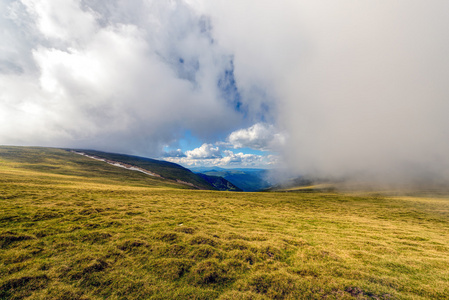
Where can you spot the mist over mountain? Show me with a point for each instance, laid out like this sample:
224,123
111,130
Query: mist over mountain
367,99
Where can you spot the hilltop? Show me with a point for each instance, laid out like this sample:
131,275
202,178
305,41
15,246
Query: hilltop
162,169
68,162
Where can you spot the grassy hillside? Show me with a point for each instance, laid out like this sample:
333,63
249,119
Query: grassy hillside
81,230
45,162
165,169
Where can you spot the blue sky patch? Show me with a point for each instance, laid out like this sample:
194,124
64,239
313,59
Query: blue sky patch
229,90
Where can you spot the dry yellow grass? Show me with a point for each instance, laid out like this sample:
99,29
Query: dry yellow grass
112,235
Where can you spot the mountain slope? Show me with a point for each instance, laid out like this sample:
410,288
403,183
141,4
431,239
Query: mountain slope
42,162
164,169
220,183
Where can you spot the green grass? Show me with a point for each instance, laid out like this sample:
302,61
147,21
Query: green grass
49,162
73,228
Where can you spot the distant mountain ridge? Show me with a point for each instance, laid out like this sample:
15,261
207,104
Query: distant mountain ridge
247,179
220,183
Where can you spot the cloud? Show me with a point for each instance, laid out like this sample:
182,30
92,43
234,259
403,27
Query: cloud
372,93
357,87
208,155
206,151
248,160
230,161
260,136
361,86
112,75
174,153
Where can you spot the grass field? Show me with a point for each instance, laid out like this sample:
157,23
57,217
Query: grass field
73,228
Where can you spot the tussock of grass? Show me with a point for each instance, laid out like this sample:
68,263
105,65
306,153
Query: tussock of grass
70,236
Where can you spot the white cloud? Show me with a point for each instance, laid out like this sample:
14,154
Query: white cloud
62,20
260,136
108,75
210,155
248,160
229,159
206,151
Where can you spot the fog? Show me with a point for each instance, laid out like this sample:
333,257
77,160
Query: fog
362,86
372,100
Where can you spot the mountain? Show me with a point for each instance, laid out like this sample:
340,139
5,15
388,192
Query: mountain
101,166
220,183
249,180
162,169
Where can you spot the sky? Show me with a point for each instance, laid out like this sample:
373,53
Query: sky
327,88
